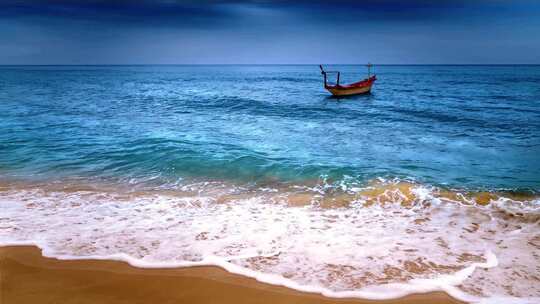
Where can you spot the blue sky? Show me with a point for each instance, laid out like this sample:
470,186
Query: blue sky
195,32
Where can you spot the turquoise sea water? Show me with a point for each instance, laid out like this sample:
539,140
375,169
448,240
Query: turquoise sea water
463,126
430,183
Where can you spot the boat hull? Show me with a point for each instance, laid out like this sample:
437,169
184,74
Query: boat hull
351,91
361,87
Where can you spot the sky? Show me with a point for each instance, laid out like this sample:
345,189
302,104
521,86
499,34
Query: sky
269,32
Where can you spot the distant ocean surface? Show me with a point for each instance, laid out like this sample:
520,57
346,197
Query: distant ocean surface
431,182
465,126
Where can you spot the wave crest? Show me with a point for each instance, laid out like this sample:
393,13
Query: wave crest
380,240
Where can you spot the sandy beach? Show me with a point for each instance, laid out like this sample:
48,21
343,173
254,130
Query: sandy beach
242,151
28,277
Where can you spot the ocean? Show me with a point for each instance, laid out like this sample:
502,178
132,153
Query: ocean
431,182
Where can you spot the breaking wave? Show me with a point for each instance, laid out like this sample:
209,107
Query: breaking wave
379,240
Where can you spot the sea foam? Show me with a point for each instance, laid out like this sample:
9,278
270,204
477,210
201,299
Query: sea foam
412,240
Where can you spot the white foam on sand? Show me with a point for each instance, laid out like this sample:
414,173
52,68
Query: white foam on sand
381,251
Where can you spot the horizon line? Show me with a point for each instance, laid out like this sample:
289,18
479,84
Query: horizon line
270,64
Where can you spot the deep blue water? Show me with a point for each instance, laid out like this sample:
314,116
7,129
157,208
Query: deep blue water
463,126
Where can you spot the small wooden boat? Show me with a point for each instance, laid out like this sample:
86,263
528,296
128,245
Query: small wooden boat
360,87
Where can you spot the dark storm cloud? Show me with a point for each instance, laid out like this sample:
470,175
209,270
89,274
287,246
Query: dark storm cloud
266,31
128,12
212,10
209,13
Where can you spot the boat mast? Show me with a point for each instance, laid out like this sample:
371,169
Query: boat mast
324,74
369,65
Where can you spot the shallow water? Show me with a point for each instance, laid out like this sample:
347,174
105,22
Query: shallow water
430,183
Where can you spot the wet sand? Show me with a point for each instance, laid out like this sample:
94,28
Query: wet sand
28,277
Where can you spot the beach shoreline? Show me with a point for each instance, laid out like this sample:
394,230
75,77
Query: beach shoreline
29,277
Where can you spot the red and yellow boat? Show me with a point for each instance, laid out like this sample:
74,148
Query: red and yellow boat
360,87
